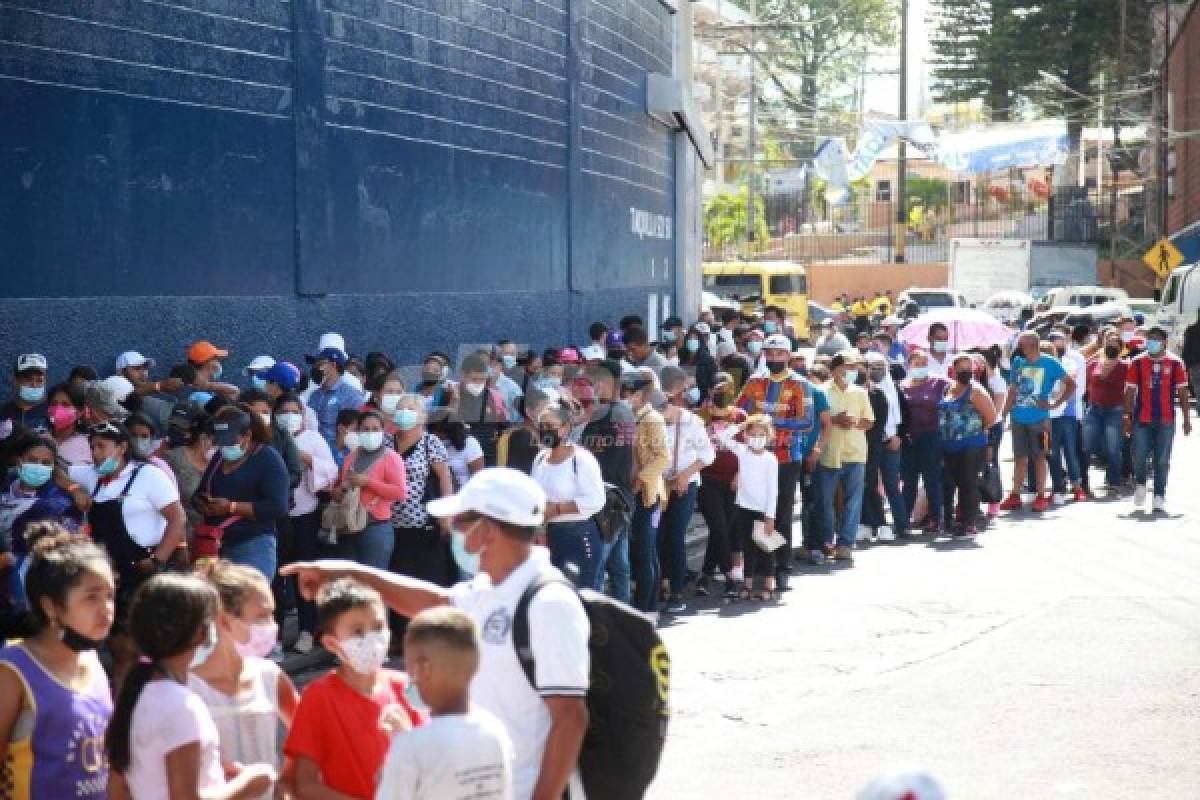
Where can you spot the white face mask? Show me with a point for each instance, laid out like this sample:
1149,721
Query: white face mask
205,649
262,640
367,653
351,440
757,442
388,403
370,440
290,422
266,418
474,389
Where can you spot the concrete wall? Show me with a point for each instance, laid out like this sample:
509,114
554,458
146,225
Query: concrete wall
1184,201
826,281
1131,275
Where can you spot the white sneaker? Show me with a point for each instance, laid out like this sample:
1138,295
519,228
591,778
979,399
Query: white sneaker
1160,503
886,534
1139,495
866,534
1058,499
304,643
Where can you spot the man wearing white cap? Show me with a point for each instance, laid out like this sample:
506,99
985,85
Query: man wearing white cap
493,519
135,368
255,369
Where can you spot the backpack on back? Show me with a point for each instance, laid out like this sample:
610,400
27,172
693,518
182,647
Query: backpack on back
627,693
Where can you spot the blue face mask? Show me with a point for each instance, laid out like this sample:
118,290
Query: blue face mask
218,372
35,475
467,562
1154,347
201,398
232,452
32,394
405,419
770,327
668,336
692,395
108,466
693,345
919,373
415,701
257,382
508,362
754,346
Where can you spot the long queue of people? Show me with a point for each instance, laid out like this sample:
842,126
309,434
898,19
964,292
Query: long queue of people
436,490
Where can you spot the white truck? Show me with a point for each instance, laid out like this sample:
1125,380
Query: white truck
1179,303
981,268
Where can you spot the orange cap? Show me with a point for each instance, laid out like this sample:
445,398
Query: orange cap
202,352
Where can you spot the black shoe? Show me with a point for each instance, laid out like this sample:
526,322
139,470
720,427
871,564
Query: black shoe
781,580
702,583
733,590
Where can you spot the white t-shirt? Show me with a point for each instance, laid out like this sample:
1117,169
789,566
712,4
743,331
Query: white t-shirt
1076,366
458,460
694,445
758,475
577,479
558,636
150,492
168,716
456,757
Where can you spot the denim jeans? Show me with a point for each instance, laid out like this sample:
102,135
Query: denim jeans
715,499
883,464
257,551
850,476
305,547
1064,445
372,546
1102,437
643,556
615,564
923,457
672,533
577,544
1153,439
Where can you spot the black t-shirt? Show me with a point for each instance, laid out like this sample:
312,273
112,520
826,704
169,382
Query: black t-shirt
36,419
609,437
523,447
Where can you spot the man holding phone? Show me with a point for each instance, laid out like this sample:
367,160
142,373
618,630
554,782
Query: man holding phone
844,459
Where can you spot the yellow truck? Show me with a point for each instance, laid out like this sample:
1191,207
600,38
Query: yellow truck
753,285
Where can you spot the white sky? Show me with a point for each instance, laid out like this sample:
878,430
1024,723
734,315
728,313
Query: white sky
883,90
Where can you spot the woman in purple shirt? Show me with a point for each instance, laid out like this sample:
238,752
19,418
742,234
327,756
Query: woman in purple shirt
923,449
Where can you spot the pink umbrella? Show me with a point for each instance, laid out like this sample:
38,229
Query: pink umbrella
968,328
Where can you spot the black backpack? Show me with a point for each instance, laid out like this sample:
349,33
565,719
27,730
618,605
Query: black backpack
618,504
627,693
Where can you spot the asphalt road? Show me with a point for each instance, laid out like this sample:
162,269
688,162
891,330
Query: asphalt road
1053,657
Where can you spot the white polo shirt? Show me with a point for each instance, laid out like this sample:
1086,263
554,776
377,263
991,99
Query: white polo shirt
149,494
558,635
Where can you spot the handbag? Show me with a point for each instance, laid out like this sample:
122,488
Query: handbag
767,543
206,538
991,490
347,515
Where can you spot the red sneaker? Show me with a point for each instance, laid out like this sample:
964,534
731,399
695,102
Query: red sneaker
1011,503
1081,495
1041,503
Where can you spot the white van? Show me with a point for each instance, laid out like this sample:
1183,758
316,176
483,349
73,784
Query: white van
1179,301
1083,296
913,302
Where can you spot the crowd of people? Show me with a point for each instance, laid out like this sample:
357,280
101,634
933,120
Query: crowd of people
172,521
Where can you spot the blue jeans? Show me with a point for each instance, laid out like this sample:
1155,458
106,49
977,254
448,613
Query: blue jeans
257,551
1153,439
615,563
923,457
672,531
850,476
372,546
889,471
1102,437
643,556
1064,444
576,543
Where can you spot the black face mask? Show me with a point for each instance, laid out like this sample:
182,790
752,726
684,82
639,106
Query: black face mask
721,400
858,378
76,641
877,375
963,376
550,437
777,367
1112,350
1062,351
318,375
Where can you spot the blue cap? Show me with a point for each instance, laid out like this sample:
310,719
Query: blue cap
328,354
283,374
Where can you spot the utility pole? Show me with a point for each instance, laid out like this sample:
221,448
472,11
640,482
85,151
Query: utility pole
751,141
901,148
1164,196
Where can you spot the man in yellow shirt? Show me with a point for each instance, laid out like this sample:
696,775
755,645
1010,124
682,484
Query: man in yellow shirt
844,459
881,305
861,310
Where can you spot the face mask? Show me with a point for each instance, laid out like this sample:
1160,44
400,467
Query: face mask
668,336
108,466
754,346
1112,351
721,400
467,562
919,373
963,376
290,422
365,654
877,375
801,371
757,442
672,361
1154,347
257,382
550,437
474,389
205,650
776,367
351,440
430,378
200,398
693,345
62,416
692,396
144,446
508,362
1126,336
75,641
370,440
1062,351
405,419
218,371
858,377
232,452
414,699
32,394
35,475
318,375
266,418
769,327
387,403
261,642
941,347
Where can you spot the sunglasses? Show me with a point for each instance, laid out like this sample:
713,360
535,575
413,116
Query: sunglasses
103,428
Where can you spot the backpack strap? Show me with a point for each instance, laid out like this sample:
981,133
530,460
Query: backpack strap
132,478
521,641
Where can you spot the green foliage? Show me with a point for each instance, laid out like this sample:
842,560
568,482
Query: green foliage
929,193
725,218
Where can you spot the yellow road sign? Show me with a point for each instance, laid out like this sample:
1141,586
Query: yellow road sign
1163,257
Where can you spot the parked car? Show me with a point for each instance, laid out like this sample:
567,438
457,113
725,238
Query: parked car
1083,296
1007,306
1146,306
915,302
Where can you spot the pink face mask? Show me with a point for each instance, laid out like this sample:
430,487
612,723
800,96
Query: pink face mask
62,416
262,640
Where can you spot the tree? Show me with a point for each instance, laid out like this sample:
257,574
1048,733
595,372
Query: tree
725,219
929,193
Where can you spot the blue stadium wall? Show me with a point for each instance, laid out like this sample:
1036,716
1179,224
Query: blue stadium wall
414,174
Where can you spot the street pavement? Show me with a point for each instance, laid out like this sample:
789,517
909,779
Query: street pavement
1055,656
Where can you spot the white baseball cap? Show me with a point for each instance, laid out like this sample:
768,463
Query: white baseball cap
132,358
892,320
504,494
592,353
259,364
119,386
30,361
777,341
333,340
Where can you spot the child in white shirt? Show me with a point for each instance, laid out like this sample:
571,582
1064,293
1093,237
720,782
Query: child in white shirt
757,494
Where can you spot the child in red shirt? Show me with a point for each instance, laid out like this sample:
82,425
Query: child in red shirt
346,719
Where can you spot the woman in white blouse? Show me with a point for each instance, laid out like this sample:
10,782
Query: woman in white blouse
570,476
